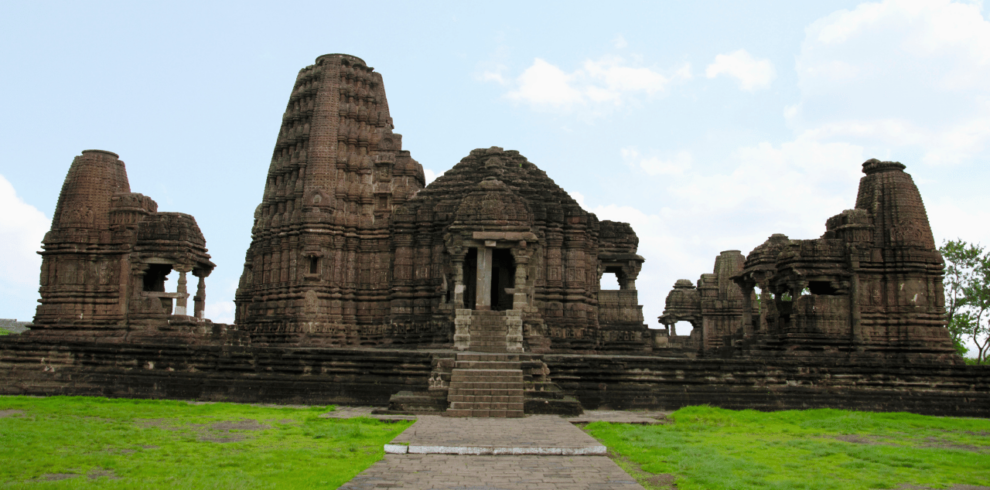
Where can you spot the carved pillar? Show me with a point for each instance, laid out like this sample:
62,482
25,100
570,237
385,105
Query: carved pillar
199,301
182,293
521,254
458,260
630,273
483,297
766,302
747,317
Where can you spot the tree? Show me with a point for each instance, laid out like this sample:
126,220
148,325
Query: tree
967,294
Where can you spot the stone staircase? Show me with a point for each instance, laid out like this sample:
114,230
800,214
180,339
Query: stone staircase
486,385
488,331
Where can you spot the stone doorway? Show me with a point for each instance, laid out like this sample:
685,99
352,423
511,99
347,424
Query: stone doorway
503,279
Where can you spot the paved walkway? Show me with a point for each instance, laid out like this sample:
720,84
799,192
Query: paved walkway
494,454
442,471
536,434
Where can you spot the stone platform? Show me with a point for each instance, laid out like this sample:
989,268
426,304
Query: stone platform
32,364
532,435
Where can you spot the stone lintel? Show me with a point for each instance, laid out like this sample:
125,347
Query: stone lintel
509,236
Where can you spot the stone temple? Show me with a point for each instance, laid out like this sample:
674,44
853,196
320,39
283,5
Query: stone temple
477,295
349,249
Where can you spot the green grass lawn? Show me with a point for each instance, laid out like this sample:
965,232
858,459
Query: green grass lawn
712,448
84,442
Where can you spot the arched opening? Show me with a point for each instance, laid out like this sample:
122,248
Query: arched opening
682,328
155,277
609,281
821,288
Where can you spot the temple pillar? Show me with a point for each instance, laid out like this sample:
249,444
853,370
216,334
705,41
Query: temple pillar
747,316
521,255
483,296
182,293
519,296
458,281
199,301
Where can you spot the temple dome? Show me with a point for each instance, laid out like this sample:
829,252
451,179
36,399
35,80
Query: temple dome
493,204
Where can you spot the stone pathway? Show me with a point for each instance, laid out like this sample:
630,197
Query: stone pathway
494,454
442,471
536,434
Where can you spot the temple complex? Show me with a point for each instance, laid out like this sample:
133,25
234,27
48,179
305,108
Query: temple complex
476,295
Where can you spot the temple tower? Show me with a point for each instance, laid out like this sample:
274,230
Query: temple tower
317,270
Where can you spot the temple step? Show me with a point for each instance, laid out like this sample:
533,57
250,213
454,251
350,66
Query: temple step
486,385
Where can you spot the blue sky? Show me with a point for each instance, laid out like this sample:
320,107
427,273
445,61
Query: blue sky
707,125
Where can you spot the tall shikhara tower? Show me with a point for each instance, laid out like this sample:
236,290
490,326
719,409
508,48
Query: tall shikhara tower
317,270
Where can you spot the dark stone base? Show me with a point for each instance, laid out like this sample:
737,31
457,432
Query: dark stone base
32,365
640,382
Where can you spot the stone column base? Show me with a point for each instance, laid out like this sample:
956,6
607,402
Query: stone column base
462,329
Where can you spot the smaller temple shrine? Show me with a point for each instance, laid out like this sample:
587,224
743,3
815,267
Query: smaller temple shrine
108,256
870,287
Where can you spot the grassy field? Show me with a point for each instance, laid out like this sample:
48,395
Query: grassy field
711,448
82,442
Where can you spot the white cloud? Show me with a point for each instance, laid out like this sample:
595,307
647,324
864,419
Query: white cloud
494,68
494,75
802,181
790,188
653,165
609,81
220,312
545,84
751,73
430,175
22,227
619,42
898,74
577,196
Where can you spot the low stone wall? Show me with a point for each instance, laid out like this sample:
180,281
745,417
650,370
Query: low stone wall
33,366
631,382
210,372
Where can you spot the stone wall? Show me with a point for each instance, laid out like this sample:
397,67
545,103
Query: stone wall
634,382
209,372
31,366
